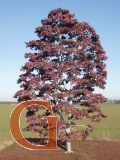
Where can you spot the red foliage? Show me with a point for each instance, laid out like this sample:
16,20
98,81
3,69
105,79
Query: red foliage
82,60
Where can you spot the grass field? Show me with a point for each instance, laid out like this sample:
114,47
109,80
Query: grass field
107,129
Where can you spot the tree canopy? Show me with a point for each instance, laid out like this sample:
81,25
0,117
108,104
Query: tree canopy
67,64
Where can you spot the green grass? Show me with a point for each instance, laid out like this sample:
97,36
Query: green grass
108,128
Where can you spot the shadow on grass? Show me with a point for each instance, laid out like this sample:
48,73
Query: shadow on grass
42,141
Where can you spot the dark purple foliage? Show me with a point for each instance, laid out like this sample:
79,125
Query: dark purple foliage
66,46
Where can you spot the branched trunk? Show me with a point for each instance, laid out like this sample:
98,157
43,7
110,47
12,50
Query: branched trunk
68,143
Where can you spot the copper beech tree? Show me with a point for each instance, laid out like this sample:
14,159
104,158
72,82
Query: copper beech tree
67,64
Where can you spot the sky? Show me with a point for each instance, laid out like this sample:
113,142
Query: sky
18,20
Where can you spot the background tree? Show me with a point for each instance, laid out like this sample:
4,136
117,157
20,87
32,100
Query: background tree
117,101
67,64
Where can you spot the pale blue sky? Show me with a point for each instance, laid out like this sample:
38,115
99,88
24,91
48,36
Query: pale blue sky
18,20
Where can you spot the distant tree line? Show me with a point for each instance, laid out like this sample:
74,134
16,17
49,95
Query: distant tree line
109,101
113,101
7,102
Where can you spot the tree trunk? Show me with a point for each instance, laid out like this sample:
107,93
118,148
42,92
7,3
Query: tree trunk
68,143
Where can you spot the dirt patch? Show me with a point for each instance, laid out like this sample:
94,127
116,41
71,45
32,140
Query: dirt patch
83,150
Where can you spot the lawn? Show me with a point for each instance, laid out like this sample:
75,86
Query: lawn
107,129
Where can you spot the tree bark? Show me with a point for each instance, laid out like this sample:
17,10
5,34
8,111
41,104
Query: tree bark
68,147
68,143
